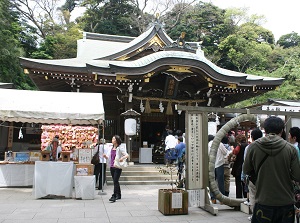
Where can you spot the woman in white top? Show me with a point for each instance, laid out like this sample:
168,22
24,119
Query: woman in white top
119,154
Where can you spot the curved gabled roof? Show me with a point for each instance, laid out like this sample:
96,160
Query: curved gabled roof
148,64
168,58
134,67
155,30
153,62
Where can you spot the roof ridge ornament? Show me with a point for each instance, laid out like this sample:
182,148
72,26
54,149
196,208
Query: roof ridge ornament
180,44
157,23
157,15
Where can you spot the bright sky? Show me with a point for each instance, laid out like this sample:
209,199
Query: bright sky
282,16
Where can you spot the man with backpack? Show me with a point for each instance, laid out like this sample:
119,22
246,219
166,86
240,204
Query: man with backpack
275,163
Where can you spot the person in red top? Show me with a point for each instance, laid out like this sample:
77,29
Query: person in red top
238,158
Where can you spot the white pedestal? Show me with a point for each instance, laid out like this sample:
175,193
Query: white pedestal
145,155
85,187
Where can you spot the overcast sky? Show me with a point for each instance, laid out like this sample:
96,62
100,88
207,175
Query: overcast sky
282,17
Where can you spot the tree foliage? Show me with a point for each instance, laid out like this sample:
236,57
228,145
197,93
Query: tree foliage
110,17
248,48
10,48
62,45
289,40
203,22
41,13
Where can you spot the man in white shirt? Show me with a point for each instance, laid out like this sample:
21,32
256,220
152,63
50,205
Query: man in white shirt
170,142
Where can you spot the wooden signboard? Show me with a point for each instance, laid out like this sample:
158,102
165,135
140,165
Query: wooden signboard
10,136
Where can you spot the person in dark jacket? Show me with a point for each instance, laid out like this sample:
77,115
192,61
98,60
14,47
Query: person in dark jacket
274,187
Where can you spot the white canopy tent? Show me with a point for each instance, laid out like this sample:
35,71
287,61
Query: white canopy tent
49,107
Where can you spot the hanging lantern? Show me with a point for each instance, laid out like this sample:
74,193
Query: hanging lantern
130,126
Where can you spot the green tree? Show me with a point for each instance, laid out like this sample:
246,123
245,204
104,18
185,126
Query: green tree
285,64
203,23
248,48
62,45
10,49
110,17
289,40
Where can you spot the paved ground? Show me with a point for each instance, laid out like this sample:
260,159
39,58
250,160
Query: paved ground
138,204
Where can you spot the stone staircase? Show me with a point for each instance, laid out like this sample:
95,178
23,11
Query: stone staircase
141,174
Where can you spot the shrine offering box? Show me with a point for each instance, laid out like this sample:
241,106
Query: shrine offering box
145,144
35,156
65,156
45,155
85,156
21,156
84,169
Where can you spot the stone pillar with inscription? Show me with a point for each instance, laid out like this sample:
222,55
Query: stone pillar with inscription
197,182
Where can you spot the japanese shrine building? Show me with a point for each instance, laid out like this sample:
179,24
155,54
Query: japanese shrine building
150,74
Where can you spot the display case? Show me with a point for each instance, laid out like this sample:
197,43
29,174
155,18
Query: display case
145,155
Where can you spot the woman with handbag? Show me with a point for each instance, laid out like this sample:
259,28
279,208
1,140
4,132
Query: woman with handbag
116,158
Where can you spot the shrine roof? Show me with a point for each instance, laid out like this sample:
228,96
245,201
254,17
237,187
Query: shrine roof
151,61
147,64
88,49
292,103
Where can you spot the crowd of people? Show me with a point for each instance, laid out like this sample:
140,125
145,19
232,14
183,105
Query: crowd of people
266,170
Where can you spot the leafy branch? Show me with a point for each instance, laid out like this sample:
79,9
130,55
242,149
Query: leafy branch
170,169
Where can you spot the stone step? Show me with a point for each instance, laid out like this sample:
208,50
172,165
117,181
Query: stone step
142,174
159,182
144,178
139,173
